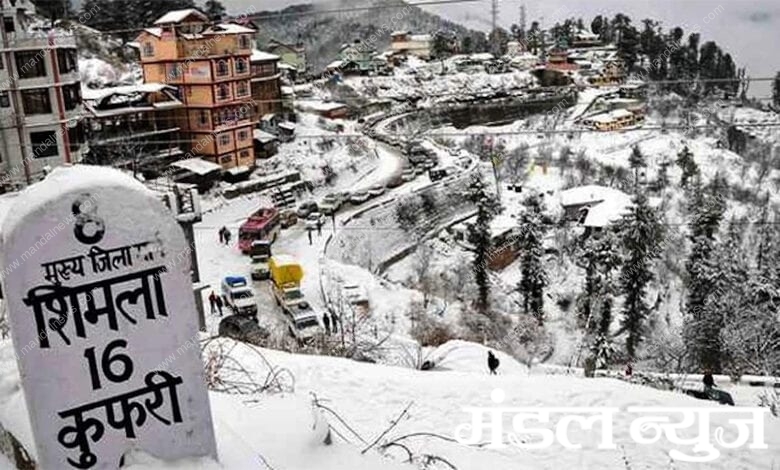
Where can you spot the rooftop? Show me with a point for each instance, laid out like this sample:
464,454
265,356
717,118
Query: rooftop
177,16
197,166
258,56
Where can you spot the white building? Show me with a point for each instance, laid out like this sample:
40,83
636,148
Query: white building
419,45
40,98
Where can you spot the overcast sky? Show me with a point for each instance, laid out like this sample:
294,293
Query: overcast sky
749,29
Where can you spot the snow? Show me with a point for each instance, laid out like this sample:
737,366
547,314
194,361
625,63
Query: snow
589,194
177,16
197,166
259,56
89,94
261,136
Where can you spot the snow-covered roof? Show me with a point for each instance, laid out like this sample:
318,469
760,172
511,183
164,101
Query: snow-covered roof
177,16
589,194
197,166
258,55
287,125
230,28
154,31
482,56
610,116
399,33
263,137
89,94
420,37
335,64
316,105
609,211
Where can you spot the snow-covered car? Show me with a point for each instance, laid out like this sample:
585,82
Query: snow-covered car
376,190
238,296
330,203
306,208
408,174
355,294
359,197
304,324
314,219
242,328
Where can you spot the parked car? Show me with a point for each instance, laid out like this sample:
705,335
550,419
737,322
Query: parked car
408,174
376,190
359,197
355,294
330,203
288,218
306,208
395,182
314,219
242,328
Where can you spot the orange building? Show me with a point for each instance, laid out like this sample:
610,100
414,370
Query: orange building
209,66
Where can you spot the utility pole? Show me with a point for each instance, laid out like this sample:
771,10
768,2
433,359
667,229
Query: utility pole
493,31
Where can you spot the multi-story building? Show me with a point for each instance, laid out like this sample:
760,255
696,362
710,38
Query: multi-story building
292,56
40,98
405,42
208,64
266,86
133,127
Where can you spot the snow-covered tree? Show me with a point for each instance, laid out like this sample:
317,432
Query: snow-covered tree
480,237
688,166
640,232
531,226
703,325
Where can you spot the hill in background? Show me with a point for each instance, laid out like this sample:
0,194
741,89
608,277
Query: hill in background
324,33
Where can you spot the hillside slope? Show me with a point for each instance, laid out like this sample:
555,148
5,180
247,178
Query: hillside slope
323,34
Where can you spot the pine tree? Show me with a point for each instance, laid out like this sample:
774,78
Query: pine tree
706,208
641,233
480,238
534,279
214,10
688,166
53,10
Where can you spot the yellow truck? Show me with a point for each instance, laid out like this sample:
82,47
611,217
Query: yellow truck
286,276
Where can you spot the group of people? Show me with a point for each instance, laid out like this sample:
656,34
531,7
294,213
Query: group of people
215,302
331,323
224,236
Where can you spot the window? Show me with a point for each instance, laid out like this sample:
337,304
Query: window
2,65
8,24
244,154
243,135
36,101
224,139
75,136
72,96
222,68
30,64
242,89
225,159
44,144
67,60
243,42
223,92
203,118
148,49
174,71
241,66
4,101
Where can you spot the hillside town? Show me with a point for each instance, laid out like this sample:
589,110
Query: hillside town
347,244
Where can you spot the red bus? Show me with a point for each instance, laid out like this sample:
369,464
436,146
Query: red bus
262,225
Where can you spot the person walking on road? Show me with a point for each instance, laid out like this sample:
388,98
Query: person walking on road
319,228
213,302
326,321
222,236
218,301
334,321
227,237
308,231
493,363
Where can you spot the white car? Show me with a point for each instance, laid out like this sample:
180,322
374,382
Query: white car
408,175
376,190
314,219
359,197
355,294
